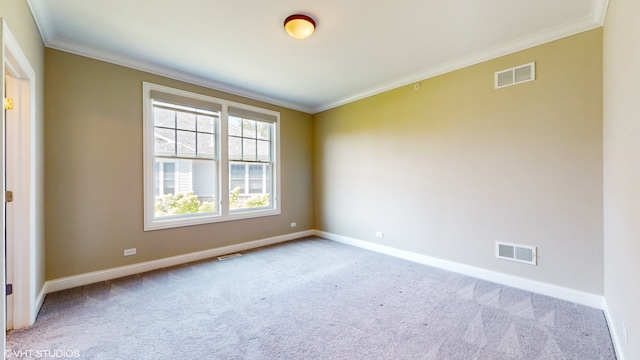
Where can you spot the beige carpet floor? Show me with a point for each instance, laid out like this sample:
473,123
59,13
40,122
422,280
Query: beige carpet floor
311,299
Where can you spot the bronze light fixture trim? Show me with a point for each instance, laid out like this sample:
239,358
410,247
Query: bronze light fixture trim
299,26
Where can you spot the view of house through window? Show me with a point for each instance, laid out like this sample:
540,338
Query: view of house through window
186,159
249,163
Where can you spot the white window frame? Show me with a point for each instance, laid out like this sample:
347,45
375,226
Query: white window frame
151,222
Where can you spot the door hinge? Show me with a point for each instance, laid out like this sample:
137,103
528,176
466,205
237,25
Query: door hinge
9,289
8,103
8,196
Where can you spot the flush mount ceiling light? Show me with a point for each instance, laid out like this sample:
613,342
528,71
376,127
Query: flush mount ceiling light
299,26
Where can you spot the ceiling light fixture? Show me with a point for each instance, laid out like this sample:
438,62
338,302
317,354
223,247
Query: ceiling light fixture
299,26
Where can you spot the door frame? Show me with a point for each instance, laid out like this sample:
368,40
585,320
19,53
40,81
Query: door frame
22,150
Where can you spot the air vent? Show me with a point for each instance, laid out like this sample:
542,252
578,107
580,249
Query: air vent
519,253
229,256
516,75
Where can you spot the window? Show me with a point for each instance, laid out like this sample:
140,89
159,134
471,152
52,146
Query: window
206,159
250,161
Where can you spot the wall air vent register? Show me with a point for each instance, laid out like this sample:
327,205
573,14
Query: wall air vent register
515,75
520,253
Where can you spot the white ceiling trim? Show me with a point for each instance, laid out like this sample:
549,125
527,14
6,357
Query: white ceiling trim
153,68
41,15
599,10
43,22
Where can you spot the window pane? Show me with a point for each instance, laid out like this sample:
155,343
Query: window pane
256,179
156,179
164,117
205,123
255,186
268,176
186,121
237,177
264,150
264,131
248,149
164,142
254,144
255,171
237,170
204,184
235,148
235,126
169,175
249,129
198,188
206,145
186,143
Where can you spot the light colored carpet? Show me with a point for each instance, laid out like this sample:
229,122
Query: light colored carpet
312,299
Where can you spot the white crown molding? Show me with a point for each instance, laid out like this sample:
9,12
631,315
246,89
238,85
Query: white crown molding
594,20
150,67
599,10
40,14
558,292
556,33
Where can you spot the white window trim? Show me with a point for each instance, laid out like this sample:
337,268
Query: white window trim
223,214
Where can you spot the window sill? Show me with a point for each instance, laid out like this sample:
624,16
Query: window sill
159,224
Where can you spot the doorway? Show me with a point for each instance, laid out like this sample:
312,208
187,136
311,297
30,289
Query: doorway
17,164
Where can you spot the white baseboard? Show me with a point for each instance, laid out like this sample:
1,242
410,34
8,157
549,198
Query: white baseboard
559,292
39,301
614,331
563,293
576,296
114,273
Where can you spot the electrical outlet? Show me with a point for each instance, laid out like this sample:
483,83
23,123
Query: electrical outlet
379,234
293,224
625,334
129,252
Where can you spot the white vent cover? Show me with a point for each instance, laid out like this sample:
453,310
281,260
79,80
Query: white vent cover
516,75
519,253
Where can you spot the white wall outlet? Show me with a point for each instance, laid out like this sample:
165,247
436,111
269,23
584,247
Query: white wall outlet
293,224
625,334
379,234
129,252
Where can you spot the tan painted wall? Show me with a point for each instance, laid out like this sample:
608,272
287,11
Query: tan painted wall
450,168
21,24
94,189
622,171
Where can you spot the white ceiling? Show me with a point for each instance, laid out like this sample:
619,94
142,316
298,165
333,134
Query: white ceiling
360,47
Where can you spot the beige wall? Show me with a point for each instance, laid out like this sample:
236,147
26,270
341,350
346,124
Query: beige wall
622,171
94,188
18,17
450,168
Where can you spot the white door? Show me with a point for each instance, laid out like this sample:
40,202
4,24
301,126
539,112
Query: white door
17,160
11,144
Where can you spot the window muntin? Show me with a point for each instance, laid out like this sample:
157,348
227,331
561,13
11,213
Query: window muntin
189,150
250,163
183,136
183,132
